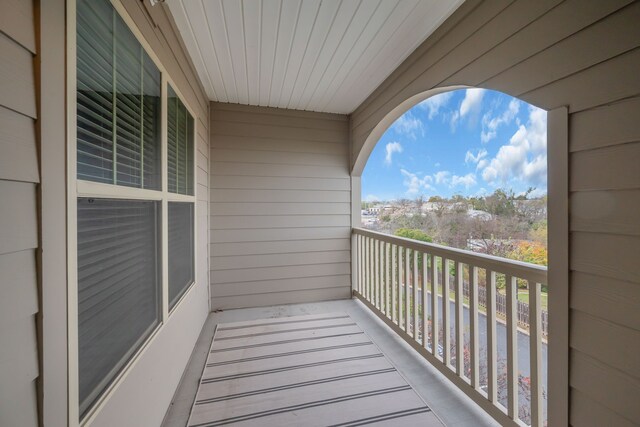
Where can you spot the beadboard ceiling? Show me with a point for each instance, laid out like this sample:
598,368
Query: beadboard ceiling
317,55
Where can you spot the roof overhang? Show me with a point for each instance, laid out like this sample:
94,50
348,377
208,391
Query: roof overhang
317,55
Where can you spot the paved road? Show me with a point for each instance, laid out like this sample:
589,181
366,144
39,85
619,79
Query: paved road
524,366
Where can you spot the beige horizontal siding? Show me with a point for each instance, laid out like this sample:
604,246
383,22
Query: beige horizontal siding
588,412
587,132
322,293
19,161
612,388
258,209
280,247
280,206
19,177
19,344
606,211
584,55
17,21
281,183
607,298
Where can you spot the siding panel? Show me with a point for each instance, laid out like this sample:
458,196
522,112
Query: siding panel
18,216
587,173
607,298
19,161
275,298
606,255
17,21
19,285
596,337
17,77
551,64
280,206
610,387
588,412
280,183
587,132
281,285
279,247
613,212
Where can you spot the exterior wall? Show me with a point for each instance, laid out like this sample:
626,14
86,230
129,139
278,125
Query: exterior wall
144,395
33,288
19,178
280,206
583,55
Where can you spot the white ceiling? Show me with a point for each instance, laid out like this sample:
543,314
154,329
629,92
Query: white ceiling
318,55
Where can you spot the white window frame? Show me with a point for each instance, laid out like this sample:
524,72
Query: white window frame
77,188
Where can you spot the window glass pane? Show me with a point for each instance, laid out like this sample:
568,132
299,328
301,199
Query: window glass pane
172,140
118,287
95,90
118,101
180,146
128,121
151,125
189,155
181,256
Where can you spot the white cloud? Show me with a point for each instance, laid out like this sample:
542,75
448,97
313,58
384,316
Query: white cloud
490,124
415,184
468,180
524,158
372,198
469,107
392,147
471,102
442,177
470,157
435,103
409,125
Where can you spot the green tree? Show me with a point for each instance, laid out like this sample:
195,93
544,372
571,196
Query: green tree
415,234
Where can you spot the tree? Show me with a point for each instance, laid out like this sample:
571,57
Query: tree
415,234
501,203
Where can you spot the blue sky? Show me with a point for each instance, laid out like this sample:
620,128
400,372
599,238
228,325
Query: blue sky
469,142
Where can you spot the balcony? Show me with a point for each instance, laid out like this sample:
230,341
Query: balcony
446,404
367,360
278,106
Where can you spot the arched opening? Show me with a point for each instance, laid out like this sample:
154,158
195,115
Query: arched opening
466,168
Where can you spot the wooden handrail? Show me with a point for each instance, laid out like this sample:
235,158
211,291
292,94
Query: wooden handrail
519,269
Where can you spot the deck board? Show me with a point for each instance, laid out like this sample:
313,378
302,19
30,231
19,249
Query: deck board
303,370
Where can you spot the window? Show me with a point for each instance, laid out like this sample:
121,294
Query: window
128,196
180,181
181,268
180,146
118,286
118,102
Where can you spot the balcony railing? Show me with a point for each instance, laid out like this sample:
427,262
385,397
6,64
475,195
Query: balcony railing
391,274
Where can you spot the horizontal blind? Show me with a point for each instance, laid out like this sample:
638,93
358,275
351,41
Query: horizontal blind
95,48
118,101
172,140
181,249
180,146
118,287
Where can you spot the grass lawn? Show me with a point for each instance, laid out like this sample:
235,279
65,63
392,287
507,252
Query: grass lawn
523,296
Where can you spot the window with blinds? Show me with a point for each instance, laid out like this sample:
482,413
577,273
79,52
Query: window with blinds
181,259
179,146
122,296
118,102
118,287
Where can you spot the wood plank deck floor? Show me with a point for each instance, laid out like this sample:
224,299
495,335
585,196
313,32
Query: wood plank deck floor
312,370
